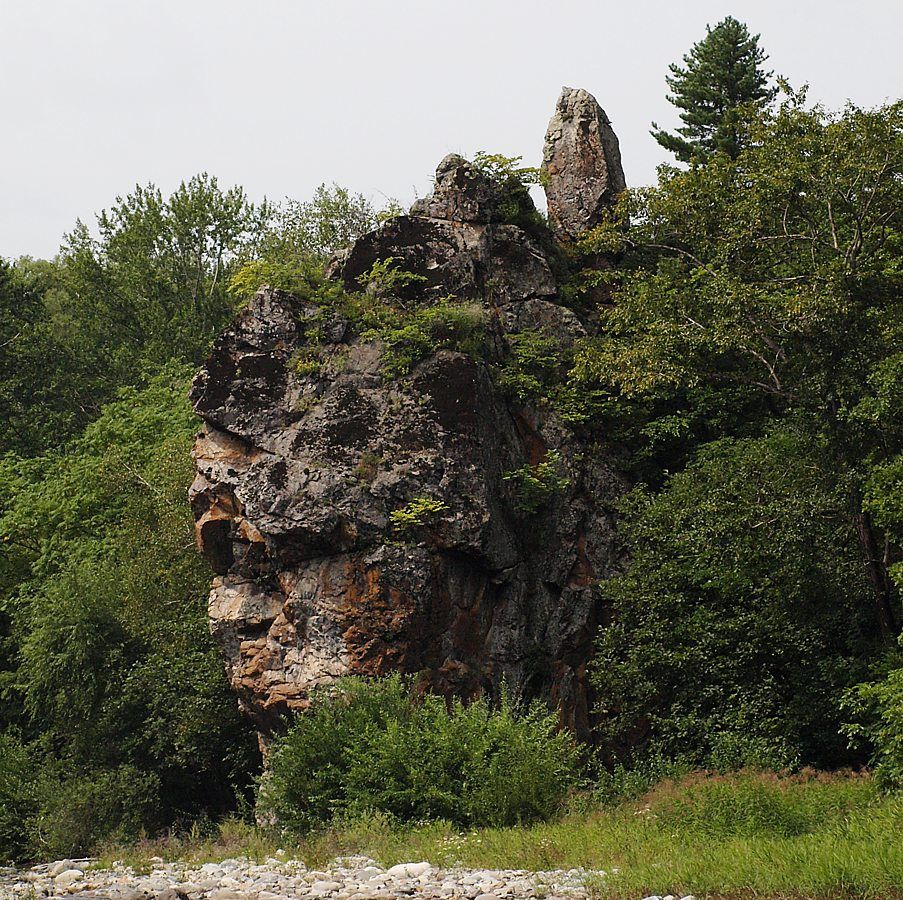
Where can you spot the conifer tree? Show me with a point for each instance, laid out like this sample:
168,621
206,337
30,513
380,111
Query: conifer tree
722,73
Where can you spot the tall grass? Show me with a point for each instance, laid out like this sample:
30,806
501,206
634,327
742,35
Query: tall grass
745,835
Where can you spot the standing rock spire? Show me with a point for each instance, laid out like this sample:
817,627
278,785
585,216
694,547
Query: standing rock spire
318,435
582,164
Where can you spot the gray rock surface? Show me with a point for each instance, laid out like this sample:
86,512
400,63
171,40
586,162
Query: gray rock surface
582,164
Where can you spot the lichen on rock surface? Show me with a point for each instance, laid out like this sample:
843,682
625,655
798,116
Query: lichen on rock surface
307,472
581,162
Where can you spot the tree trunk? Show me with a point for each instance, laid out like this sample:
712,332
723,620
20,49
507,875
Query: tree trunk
876,570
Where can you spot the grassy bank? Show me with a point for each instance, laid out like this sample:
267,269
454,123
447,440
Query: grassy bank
748,835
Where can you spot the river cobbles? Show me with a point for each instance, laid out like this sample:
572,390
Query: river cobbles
349,878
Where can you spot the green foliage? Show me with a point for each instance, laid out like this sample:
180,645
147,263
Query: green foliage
760,295
408,337
18,795
302,277
152,285
306,361
46,810
761,271
372,747
45,385
876,421
744,613
722,75
330,221
386,278
499,168
299,237
366,469
112,665
749,804
876,710
77,813
513,204
114,709
535,485
417,513
533,367
618,783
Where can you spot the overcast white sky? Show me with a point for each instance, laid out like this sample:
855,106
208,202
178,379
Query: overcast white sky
280,95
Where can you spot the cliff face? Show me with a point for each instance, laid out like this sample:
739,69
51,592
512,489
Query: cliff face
474,582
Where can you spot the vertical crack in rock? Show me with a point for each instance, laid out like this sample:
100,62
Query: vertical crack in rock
298,471
582,164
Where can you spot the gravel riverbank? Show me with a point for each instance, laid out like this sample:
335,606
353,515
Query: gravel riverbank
351,878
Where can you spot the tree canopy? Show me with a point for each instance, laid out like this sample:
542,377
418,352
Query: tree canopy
753,346
722,75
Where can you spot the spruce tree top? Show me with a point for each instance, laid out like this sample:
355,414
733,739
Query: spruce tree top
722,73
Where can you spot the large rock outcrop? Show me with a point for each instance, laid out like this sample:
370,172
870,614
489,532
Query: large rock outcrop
301,467
582,164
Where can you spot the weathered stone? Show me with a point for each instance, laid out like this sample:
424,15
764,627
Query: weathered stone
67,878
298,475
582,164
172,893
461,194
61,866
409,870
289,878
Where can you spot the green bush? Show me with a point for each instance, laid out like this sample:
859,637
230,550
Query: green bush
18,798
77,813
877,709
367,747
385,278
743,615
535,485
409,337
46,811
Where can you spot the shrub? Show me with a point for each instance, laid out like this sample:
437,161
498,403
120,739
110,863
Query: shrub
410,337
385,278
17,796
535,485
77,813
416,513
301,276
47,811
306,361
370,747
877,708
